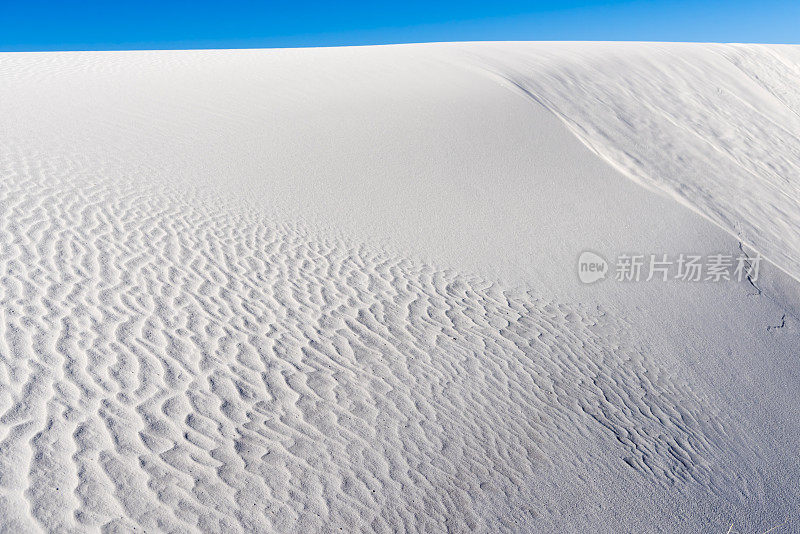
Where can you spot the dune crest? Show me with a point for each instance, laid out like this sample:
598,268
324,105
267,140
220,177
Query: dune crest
311,290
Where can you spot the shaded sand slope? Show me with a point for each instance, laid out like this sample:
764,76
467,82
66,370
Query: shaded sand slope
715,126
322,289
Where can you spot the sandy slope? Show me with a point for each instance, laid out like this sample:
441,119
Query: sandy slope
305,290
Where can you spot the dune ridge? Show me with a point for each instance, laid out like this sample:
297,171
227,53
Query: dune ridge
185,347
717,127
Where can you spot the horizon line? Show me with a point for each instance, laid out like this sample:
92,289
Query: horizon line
23,50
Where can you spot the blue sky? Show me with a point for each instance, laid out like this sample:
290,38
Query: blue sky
113,25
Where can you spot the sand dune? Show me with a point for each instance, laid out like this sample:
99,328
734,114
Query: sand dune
334,289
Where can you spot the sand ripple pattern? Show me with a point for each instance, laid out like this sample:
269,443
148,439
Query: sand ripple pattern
177,367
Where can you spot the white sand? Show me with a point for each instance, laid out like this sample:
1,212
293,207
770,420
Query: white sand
323,289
